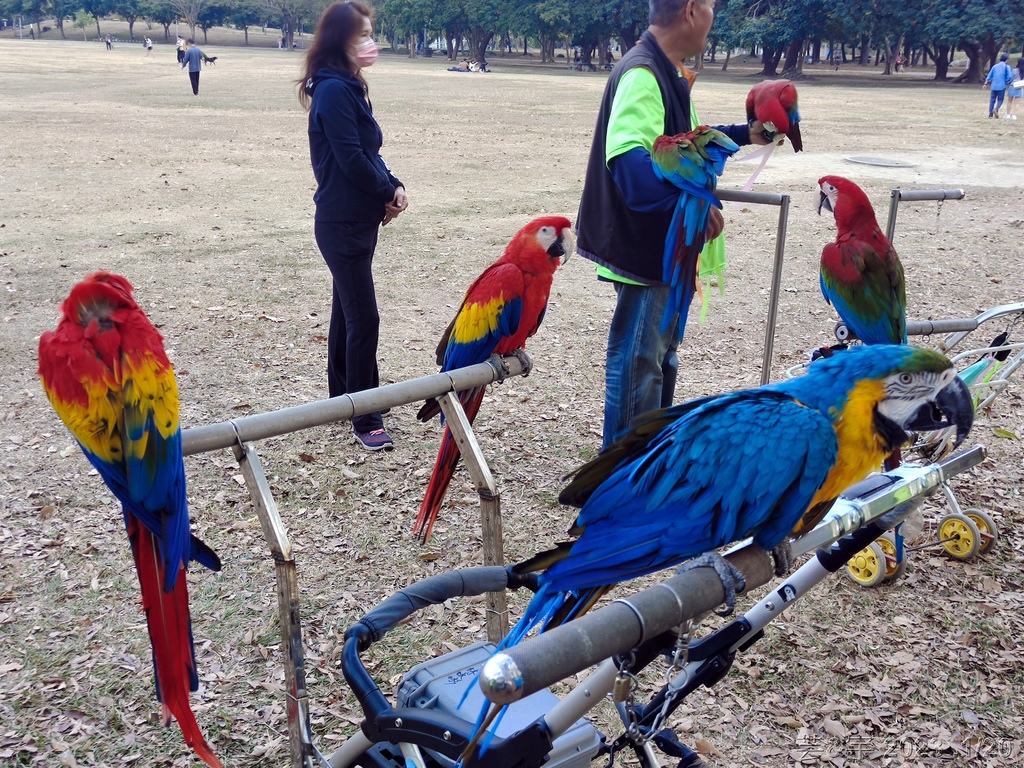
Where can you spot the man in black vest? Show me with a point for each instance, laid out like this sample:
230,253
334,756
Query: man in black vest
625,209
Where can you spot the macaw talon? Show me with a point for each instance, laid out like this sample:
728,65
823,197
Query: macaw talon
497,362
524,359
732,577
783,557
953,407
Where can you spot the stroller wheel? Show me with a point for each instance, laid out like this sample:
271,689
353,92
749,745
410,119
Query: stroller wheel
894,567
960,536
867,567
986,527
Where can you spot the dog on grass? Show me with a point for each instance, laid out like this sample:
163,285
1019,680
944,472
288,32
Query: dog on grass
209,59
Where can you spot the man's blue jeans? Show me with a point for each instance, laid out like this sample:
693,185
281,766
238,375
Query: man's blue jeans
640,373
995,101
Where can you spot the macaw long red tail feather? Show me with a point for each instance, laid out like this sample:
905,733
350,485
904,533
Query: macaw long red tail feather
444,469
170,633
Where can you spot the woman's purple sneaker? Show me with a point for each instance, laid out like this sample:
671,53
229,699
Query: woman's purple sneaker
377,440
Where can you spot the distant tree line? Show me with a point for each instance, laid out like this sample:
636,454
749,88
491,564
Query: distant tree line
784,33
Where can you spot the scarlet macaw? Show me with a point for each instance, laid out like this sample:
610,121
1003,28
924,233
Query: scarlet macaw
774,103
861,274
692,162
106,374
502,309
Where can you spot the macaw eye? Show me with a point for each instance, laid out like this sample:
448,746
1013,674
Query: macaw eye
546,231
905,378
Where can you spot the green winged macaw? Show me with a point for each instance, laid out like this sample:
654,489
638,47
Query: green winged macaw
774,103
106,374
692,162
766,463
861,274
502,309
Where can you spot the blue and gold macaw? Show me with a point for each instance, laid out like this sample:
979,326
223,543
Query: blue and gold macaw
692,162
502,309
766,463
861,273
107,375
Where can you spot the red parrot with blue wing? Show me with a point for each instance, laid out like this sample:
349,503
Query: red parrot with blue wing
107,375
502,309
861,273
774,104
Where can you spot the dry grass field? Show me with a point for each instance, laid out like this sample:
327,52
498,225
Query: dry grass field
204,203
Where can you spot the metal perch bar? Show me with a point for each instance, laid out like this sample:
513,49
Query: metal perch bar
226,434
914,196
239,435
490,509
782,201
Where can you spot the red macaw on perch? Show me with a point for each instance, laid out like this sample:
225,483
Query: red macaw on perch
106,374
501,310
774,104
861,273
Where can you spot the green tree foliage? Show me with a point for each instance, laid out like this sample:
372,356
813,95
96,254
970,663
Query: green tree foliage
244,14
97,9
129,10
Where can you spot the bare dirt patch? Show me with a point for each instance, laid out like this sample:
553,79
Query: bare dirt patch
205,205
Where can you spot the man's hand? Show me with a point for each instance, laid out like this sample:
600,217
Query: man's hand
716,223
757,133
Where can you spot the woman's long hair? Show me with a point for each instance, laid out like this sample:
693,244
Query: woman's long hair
1020,69
329,50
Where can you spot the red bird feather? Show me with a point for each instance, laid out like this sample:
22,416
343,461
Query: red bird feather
502,309
774,104
106,374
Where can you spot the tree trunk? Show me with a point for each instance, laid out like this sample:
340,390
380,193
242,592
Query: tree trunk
941,58
410,41
865,51
728,55
98,33
245,30
973,73
794,58
816,51
60,26
771,61
167,30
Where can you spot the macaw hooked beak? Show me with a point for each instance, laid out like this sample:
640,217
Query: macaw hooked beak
825,203
953,407
563,246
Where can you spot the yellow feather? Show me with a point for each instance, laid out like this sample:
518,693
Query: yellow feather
861,450
478,320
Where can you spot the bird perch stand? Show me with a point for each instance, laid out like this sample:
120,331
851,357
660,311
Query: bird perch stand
240,436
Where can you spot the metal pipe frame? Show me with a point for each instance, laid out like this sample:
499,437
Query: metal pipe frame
227,434
915,196
782,201
490,508
238,435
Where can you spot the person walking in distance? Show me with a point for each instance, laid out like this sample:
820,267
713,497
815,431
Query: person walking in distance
193,59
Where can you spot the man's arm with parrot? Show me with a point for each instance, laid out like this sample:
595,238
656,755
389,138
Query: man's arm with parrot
637,119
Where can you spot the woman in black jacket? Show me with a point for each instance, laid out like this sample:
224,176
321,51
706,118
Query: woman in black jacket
356,194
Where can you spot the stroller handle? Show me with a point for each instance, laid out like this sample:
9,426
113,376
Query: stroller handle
624,624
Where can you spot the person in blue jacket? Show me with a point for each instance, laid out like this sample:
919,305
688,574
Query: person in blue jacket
193,59
356,194
998,80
